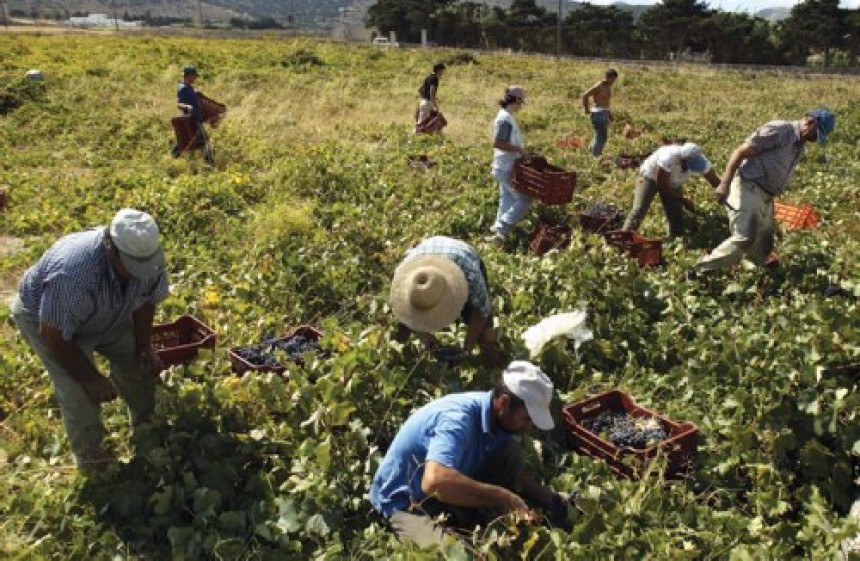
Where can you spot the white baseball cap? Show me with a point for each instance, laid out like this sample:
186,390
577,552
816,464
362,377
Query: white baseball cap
135,235
529,383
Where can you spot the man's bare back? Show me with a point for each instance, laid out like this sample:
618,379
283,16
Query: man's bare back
601,92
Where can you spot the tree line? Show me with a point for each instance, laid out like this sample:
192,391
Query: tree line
663,31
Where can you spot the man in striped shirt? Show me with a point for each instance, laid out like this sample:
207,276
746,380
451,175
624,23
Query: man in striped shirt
757,171
440,280
96,291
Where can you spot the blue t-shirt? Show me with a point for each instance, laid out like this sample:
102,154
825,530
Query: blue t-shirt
454,431
186,94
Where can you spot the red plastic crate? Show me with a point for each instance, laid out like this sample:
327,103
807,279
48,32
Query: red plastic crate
187,131
680,447
647,252
549,234
601,224
239,365
571,142
796,217
178,342
551,185
630,161
434,122
421,162
212,110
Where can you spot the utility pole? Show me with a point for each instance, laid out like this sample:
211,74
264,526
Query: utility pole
5,13
199,14
558,34
115,20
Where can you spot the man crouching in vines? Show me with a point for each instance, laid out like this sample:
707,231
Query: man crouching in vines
440,280
96,291
456,457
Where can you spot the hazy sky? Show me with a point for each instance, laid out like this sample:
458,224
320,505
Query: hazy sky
738,5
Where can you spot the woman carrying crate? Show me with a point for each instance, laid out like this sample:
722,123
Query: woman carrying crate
508,147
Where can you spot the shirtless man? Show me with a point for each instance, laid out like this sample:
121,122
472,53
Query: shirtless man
600,113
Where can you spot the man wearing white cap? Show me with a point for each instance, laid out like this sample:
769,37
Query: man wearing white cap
440,280
96,291
664,173
456,456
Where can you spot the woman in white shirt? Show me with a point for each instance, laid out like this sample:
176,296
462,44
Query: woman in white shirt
664,172
507,149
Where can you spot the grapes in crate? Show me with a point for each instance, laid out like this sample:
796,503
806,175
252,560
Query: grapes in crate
272,351
602,209
626,432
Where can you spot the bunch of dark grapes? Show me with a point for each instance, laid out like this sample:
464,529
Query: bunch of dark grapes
625,431
602,209
267,353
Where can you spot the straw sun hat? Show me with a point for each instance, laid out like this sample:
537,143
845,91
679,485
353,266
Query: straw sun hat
428,293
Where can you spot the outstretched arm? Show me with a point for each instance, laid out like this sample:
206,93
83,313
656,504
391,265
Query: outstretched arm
455,488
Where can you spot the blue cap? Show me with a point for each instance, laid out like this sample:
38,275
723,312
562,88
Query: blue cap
186,70
692,155
825,122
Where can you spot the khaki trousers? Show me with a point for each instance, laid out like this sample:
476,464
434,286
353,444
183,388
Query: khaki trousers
752,228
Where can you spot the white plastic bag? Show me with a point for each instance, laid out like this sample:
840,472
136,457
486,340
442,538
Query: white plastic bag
570,324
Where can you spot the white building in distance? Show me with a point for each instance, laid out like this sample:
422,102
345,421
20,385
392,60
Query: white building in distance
100,20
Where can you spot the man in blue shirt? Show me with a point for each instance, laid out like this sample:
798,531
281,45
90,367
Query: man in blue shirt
189,104
96,291
440,280
456,456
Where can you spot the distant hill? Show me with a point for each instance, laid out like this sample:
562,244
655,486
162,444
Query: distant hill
303,13
773,14
318,14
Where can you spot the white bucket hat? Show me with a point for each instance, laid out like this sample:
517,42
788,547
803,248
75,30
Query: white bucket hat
135,235
428,293
529,383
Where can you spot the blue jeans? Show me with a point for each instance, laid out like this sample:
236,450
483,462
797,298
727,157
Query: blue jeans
600,122
513,205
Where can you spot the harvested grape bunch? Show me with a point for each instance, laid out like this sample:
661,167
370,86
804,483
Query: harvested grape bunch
271,351
625,431
602,209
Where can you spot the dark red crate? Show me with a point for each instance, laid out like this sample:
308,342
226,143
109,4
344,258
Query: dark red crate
679,448
647,252
188,135
212,110
239,365
434,122
4,199
421,162
630,161
537,178
601,224
178,342
549,234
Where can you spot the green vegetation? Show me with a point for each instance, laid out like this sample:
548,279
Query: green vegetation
664,30
304,220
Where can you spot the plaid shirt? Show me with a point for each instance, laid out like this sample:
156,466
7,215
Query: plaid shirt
780,148
73,288
467,259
